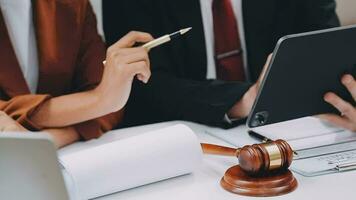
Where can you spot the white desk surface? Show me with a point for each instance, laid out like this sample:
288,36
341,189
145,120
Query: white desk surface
204,182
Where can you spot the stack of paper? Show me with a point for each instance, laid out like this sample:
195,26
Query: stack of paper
131,162
307,132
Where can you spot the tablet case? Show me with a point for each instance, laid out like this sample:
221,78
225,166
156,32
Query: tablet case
304,67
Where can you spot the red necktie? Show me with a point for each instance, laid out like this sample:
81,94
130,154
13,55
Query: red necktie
228,53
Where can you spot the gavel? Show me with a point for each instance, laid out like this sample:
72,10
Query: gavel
258,159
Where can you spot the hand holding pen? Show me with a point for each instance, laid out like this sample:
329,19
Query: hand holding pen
125,62
162,40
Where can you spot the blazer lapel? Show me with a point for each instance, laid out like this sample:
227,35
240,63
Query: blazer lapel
259,27
258,15
46,34
12,81
187,13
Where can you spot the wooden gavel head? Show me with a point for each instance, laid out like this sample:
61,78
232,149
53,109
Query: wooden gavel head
258,159
265,159
263,169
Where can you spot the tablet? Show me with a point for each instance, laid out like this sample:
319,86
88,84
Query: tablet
304,67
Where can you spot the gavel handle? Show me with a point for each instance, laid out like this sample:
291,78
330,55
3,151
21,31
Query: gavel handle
219,150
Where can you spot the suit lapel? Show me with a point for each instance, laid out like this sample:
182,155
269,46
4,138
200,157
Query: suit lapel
12,81
258,14
187,13
258,22
259,26
46,34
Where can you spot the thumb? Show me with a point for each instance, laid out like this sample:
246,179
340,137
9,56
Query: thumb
264,70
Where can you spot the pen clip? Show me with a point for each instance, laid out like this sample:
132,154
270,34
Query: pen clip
346,166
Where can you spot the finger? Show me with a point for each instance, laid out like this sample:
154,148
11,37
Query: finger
141,55
12,128
126,51
3,115
3,121
338,121
350,83
140,77
4,118
141,70
136,58
112,53
131,38
8,124
264,70
344,107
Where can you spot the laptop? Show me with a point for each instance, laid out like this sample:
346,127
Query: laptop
29,168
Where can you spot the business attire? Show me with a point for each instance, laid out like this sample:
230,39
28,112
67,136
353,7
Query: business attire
22,35
48,49
186,83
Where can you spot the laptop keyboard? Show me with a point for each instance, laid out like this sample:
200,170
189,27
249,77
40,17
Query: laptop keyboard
342,157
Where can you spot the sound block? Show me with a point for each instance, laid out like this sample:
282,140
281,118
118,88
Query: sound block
237,181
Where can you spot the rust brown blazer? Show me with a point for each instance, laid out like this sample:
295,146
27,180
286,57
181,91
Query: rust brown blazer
70,58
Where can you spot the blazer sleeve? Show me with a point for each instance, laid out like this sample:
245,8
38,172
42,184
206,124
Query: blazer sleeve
169,95
20,108
88,75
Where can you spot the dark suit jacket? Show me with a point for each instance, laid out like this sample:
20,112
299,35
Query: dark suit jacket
70,58
179,89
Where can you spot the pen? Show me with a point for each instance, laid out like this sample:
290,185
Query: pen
258,136
164,39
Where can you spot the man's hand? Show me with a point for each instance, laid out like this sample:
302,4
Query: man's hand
7,124
347,119
243,107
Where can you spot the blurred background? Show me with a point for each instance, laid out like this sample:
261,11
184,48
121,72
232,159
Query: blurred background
346,10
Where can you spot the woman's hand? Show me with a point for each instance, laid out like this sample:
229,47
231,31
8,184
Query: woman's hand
123,64
7,124
347,119
61,137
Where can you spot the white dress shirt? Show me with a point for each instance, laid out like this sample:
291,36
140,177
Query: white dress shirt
18,18
207,14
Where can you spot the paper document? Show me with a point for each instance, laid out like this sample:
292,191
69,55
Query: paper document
307,132
132,162
297,129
